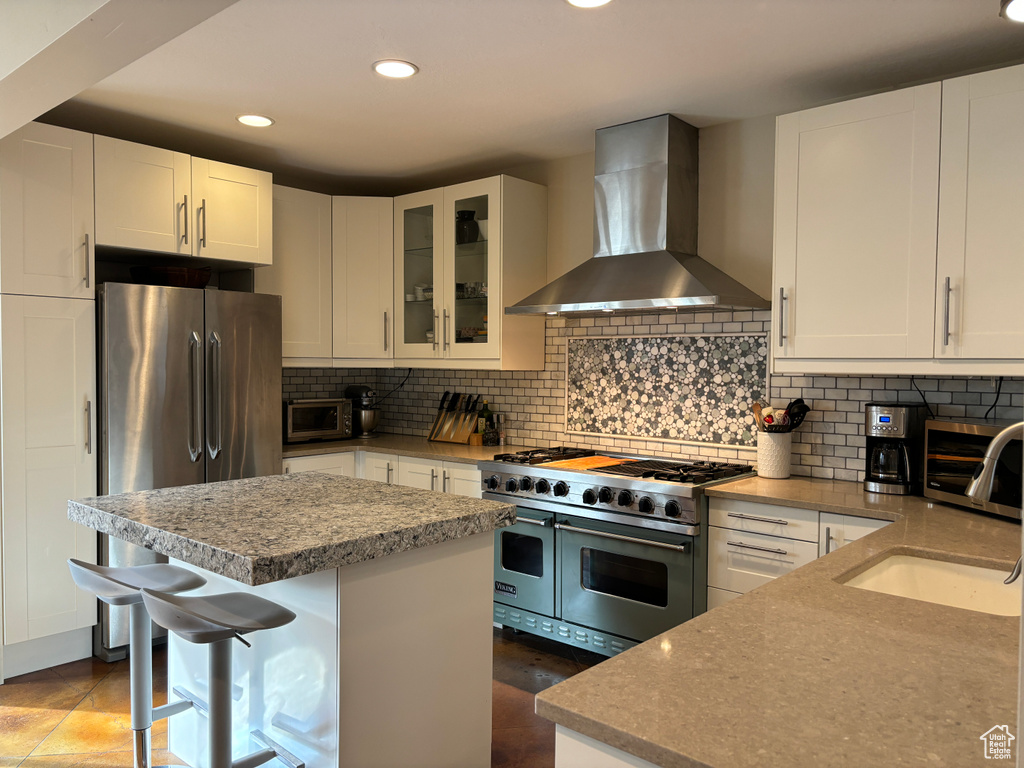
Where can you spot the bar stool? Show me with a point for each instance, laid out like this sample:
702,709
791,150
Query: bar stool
216,620
121,587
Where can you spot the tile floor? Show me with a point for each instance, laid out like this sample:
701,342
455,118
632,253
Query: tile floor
77,714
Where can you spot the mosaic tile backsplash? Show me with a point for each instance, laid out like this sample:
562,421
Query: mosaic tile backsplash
829,444
685,388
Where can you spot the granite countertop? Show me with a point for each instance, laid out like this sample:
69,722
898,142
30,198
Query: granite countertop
805,671
266,529
405,445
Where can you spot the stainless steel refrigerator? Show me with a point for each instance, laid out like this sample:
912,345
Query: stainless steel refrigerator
190,392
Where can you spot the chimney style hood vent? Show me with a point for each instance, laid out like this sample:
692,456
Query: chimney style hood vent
645,231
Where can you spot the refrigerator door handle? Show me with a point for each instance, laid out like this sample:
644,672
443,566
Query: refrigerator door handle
214,406
195,388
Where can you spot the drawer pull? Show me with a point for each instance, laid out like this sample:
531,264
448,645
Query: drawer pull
758,519
759,549
531,521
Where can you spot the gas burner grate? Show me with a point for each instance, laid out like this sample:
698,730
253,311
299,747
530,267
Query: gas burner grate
677,472
542,455
638,468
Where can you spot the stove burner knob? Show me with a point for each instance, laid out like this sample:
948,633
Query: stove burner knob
511,485
542,486
590,496
525,484
672,509
561,489
646,505
625,499
493,482
605,495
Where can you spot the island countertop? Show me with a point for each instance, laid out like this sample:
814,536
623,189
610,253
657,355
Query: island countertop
265,529
806,671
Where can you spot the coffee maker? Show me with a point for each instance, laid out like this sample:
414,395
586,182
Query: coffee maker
895,448
365,413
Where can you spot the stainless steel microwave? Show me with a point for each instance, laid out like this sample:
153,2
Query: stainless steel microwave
954,449
306,420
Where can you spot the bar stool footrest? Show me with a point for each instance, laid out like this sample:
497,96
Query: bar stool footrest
197,703
280,752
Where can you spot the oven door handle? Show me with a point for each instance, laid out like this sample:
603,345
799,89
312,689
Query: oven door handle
531,521
619,537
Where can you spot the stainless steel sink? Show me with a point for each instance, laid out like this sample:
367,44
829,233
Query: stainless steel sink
970,587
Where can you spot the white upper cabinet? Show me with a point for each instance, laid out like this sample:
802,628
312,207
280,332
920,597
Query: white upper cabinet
454,278
856,197
364,316
156,200
49,438
897,251
46,212
981,229
301,274
142,197
234,220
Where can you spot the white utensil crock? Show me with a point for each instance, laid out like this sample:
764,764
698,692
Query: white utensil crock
774,454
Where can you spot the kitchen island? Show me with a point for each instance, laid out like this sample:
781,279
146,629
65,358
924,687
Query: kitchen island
389,659
807,671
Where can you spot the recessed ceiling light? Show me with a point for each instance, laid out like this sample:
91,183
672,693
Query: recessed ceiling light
256,121
588,3
1012,10
395,68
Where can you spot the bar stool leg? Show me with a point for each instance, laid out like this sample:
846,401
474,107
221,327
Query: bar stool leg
220,704
140,659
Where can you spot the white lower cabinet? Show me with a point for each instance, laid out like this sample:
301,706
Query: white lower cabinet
750,543
427,474
382,467
836,531
461,479
49,432
331,463
419,473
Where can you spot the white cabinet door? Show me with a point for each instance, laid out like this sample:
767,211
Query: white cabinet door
363,277
46,212
856,211
981,229
717,597
461,479
331,463
767,519
48,416
740,561
301,272
419,473
382,467
839,530
142,197
419,280
233,205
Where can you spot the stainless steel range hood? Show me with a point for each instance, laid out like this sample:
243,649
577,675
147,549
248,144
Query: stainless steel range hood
645,231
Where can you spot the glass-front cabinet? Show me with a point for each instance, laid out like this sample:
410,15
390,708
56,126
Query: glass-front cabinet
453,270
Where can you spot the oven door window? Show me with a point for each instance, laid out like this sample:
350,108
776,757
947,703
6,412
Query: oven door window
522,554
632,578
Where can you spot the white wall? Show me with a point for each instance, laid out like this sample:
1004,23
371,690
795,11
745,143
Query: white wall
735,220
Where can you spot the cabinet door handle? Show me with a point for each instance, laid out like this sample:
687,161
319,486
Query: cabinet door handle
828,539
385,330
444,481
782,316
433,478
287,470
446,344
389,474
184,229
87,260
202,210
945,313
88,426
434,345
771,520
759,549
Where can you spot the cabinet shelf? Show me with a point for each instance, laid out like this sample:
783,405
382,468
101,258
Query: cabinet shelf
427,252
479,248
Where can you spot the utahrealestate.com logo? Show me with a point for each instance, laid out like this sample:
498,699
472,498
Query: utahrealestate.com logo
998,743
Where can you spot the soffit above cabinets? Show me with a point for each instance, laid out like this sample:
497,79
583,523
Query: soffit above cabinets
507,83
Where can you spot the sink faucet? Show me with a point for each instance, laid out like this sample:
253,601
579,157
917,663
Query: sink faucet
980,488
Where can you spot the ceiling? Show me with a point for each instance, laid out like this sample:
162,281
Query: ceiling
507,82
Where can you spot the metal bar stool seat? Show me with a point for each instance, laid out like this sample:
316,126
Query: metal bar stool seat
216,620
122,587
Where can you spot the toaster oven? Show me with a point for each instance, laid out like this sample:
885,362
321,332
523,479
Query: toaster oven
306,420
954,449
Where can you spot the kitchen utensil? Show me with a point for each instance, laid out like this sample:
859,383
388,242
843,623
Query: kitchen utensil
468,424
797,412
440,416
756,408
460,418
450,417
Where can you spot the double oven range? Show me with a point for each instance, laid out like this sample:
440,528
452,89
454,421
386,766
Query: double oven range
608,550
